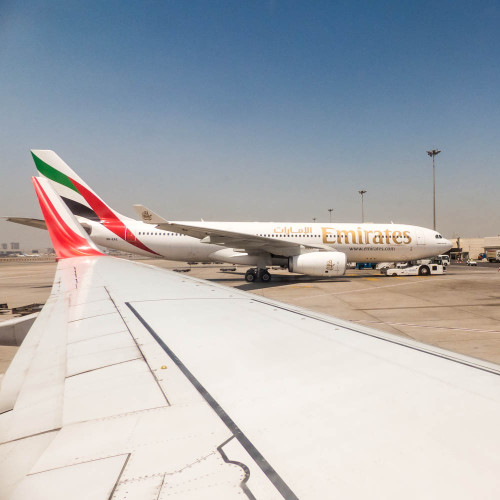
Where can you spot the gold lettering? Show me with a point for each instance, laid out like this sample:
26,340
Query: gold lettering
378,237
326,233
360,236
387,236
407,235
395,236
346,236
367,237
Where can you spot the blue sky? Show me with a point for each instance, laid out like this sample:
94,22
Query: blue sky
262,110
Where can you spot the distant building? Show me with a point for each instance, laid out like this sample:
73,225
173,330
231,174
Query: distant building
465,248
14,246
4,246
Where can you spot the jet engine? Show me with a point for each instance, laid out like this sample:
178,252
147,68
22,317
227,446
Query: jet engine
318,263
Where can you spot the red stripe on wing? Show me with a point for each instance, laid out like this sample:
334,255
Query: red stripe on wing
66,242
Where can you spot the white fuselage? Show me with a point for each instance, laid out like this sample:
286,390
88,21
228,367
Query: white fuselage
360,242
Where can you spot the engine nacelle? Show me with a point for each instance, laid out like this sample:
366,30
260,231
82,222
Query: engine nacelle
318,263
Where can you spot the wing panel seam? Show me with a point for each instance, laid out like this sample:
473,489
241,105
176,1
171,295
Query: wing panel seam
258,458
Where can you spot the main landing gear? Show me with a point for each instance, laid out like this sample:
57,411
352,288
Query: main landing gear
254,274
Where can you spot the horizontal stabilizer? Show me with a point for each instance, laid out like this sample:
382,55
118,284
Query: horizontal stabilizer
27,221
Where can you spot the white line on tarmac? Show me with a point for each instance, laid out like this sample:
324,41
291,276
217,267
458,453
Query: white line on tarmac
428,326
18,276
372,288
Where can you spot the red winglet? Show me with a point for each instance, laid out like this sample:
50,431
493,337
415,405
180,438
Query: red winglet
67,243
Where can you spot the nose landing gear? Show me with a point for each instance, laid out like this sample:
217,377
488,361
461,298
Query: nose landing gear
254,274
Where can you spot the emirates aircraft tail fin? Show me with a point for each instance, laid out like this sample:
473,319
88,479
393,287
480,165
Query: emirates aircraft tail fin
80,198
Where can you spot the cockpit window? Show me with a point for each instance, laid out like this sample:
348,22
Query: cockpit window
438,236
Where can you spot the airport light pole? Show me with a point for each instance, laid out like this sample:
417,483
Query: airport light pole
362,193
433,154
330,210
314,219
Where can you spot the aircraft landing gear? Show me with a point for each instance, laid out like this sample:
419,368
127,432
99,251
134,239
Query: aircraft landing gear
250,276
265,276
253,274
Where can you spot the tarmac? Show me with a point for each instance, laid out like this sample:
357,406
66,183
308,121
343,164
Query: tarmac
458,311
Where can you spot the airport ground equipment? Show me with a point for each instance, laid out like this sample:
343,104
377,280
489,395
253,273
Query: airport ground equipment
366,265
419,270
493,255
445,259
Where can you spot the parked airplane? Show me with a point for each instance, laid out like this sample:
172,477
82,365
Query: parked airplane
315,249
136,383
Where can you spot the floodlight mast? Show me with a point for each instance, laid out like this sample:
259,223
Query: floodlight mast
433,154
362,192
330,210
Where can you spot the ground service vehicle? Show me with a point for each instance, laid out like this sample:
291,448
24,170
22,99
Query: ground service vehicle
471,262
366,265
493,255
445,259
419,270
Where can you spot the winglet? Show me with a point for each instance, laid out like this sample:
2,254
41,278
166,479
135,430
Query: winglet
148,216
68,237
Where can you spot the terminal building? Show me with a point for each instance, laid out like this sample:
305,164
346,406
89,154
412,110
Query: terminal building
473,248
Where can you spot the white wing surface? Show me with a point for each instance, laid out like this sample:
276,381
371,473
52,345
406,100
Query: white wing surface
138,383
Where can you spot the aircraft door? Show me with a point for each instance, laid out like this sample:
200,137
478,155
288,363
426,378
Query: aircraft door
420,237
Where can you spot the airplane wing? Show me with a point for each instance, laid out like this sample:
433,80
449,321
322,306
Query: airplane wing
27,221
230,239
138,383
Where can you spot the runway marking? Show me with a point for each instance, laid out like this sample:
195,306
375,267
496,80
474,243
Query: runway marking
428,326
372,288
17,276
418,281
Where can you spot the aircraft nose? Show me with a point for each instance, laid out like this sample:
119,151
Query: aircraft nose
449,244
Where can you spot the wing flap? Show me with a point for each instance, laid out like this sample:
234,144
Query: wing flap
95,479
39,403
112,390
98,352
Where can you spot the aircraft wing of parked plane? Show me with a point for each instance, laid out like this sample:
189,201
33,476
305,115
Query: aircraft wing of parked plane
135,382
231,239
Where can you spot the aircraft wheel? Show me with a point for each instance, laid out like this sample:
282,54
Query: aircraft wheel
424,271
265,277
250,276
